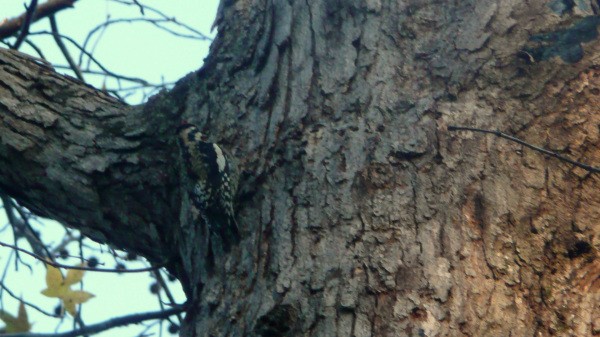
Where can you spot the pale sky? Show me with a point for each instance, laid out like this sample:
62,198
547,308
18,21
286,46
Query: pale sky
132,49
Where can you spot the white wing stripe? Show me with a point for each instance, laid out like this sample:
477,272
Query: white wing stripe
220,158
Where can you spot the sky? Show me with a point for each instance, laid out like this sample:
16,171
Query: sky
133,49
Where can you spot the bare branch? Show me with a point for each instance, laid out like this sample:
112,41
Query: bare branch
67,239
497,133
5,288
102,67
57,37
166,17
36,48
140,6
119,77
60,265
165,287
12,26
26,23
156,22
108,324
23,227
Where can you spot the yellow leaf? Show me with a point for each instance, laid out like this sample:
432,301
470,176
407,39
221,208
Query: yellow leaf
74,276
54,281
7,318
61,288
53,292
80,296
16,324
24,325
54,277
73,298
70,307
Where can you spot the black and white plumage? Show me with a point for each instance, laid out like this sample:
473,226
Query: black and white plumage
212,184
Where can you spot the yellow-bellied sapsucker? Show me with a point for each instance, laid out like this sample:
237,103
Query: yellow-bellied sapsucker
213,184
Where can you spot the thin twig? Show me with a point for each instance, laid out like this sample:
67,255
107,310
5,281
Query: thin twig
497,133
201,35
5,272
196,35
26,23
66,240
11,26
94,46
108,72
12,220
58,39
60,265
36,48
108,324
31,236
165,287
78,320
5,288
146,328
15,229
140,6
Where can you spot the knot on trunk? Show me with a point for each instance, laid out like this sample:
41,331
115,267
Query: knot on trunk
279,321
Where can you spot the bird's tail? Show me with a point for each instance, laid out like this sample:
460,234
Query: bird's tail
227,230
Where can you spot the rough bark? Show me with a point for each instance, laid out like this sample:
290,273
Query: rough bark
74,154
361,214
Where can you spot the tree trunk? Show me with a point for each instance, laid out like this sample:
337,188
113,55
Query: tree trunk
361,214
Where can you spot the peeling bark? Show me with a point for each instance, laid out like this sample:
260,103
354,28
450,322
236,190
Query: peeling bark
361,215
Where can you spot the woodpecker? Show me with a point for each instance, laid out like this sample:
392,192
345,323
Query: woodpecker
212,180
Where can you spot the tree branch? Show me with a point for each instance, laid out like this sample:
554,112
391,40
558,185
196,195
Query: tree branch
12,26
497,133
29,304
23,226
76,155
108,324
93,59
57,38
26,23
60,265
166,289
